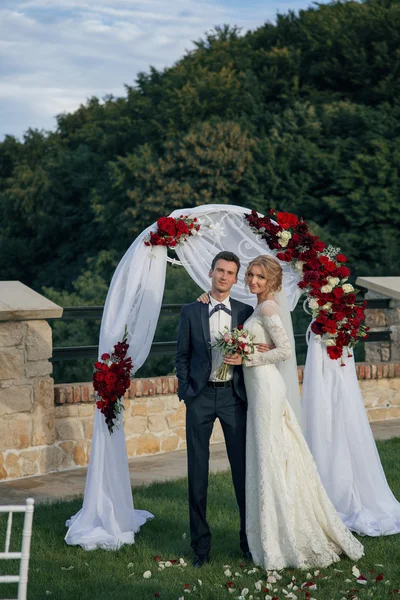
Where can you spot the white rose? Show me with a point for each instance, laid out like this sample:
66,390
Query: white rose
313,303
347,288
330,343
327,306
326,289
333,281
299,265
283,243
286,235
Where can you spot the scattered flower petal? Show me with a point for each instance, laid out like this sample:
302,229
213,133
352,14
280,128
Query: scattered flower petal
362,580
147,574
67,568
168,563
355,572
379,577
271,579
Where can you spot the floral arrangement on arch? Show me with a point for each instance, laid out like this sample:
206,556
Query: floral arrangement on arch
111,379
333,302
172,232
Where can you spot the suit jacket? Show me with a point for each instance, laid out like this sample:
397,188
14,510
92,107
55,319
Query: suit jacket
193,356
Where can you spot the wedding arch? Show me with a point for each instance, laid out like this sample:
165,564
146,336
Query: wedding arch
332,411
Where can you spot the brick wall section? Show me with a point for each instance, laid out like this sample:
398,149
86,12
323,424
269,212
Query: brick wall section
163,386
154,420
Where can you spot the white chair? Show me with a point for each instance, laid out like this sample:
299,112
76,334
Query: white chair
23,556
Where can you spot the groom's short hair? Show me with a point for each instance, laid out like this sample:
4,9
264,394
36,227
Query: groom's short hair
225,255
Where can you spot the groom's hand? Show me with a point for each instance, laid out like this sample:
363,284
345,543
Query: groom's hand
233,359
265,347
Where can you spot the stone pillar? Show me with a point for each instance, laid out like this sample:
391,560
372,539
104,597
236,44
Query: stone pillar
26,388
382,319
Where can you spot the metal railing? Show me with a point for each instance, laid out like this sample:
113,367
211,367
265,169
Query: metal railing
95,313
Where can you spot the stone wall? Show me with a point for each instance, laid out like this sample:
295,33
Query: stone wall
27,411
49,432
382,319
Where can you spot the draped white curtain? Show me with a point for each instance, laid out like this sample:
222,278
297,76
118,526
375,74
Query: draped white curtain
339,436
108,518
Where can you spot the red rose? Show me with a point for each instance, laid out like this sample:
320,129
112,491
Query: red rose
97,365
316,328
334,352
240,326
104,368
341,258
339,316
319,245
111,378
311,276
343,272
286,220
350,298
105,356
330,266
100,404
322,318
338,292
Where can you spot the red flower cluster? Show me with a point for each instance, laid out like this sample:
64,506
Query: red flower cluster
111,379
338,315
171,232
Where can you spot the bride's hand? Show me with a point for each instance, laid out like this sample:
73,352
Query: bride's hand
265,347
233,359
204,298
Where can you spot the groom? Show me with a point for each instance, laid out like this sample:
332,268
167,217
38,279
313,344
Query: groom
206,397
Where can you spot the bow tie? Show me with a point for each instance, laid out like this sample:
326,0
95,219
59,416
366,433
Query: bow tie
218,307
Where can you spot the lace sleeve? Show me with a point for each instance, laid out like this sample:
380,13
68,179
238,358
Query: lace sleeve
282,351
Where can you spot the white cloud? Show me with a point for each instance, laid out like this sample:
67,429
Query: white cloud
57,53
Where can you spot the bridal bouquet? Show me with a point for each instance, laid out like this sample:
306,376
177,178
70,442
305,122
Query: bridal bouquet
239,341
111,379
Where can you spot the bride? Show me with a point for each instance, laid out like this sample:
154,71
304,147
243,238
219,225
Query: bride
290,521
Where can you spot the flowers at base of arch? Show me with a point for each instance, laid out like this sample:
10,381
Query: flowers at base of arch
111,379
332,301
172,232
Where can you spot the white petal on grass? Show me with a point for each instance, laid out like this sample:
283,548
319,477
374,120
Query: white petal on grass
147,574
355,571
228,573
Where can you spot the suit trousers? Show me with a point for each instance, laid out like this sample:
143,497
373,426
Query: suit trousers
201,412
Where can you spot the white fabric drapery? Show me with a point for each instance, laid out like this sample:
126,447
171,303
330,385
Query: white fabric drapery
339,436
107,518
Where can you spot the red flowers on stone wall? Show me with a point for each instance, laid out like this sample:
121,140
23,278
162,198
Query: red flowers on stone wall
333,302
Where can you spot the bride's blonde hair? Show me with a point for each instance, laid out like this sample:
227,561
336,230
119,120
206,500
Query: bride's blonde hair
271,269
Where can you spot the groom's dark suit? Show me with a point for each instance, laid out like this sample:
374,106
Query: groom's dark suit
205,401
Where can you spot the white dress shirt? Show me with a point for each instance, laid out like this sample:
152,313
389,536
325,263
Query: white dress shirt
218,321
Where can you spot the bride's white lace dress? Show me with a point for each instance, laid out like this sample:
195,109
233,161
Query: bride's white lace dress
290,521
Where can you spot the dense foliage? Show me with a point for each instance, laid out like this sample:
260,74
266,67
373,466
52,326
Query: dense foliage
302,115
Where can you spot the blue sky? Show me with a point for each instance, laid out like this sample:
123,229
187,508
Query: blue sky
54,54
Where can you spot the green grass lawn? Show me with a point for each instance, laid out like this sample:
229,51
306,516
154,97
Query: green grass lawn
62,572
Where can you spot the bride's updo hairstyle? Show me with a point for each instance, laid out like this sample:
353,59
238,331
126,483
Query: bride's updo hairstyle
271,269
